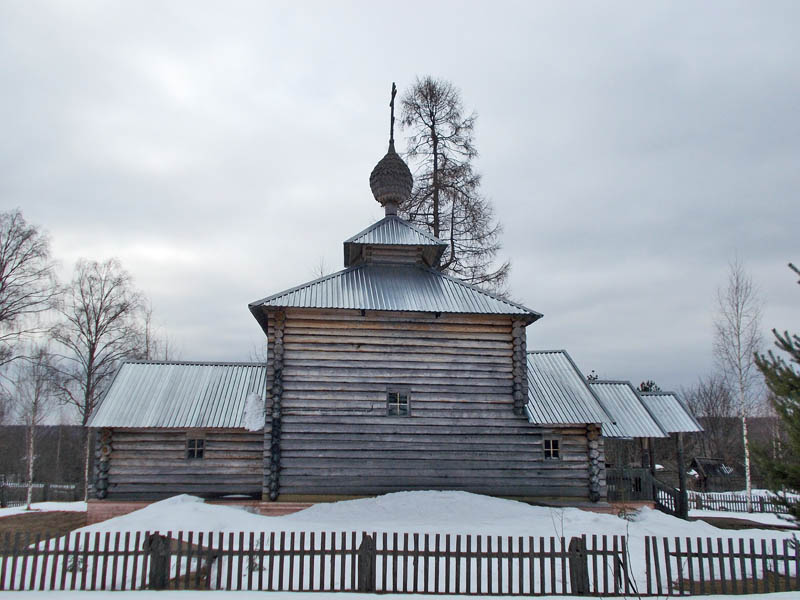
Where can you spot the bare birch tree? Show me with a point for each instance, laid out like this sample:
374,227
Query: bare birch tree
99,328
737,339
446,199
33,395
27,281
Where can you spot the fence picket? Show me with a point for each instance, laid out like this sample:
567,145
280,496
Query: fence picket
54,563
312,556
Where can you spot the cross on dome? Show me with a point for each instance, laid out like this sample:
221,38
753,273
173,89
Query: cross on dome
391,180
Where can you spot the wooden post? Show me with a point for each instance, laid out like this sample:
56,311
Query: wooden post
367,564
3,502
578,567
683,498
156,547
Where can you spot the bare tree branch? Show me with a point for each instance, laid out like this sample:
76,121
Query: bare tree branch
28,284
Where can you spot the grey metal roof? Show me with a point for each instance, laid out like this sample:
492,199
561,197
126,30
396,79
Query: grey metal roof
394,231
558,392
670,412
412,288
632,419
179,394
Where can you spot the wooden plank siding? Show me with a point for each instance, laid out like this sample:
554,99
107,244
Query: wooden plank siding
152,463
336,439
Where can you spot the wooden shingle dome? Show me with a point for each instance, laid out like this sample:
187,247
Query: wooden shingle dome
391,181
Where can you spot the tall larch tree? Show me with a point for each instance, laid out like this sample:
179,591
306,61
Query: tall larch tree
446,199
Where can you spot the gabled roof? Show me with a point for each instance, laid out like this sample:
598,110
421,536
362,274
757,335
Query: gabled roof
670,412
394,231
632,419
179,394
407,288
558,392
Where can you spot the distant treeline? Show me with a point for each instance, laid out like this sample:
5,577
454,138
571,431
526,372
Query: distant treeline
59,453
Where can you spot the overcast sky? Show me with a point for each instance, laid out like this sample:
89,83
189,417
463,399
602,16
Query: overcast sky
221,150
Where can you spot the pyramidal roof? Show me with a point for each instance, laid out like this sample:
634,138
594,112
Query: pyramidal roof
405,288
394,231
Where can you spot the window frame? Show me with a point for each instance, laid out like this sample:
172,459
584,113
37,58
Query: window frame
398,391
199,441
555,452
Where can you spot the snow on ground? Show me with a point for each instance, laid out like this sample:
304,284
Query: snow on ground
44,507
764,518
418,512
186,595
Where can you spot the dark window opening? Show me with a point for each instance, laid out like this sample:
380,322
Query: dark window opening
195,448
551,449
397,404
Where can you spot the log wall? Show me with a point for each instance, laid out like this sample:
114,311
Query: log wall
152,463
463,433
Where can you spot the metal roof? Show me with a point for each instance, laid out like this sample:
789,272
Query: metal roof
179,394
558,392
412,288
632,419
394,231
670,412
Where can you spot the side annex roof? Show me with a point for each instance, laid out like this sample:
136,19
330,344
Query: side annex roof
632,418
179,394
558,392
670,412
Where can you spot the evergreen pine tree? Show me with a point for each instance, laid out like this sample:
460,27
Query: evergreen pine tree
781,465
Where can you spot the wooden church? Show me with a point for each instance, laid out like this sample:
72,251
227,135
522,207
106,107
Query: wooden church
388,375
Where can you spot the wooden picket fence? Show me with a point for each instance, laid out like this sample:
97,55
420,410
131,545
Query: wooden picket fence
688,566
399,563
299,561
733,502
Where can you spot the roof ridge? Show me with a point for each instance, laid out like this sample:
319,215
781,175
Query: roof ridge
199,363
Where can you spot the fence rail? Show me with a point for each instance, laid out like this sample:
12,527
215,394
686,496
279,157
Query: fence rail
735,502
395,562
15,494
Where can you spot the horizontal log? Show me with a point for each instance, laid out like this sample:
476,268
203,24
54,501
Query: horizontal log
496,357
430,385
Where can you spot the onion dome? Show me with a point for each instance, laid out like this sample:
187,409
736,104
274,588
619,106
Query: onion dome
391,181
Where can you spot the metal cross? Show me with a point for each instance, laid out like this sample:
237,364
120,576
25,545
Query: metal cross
391,104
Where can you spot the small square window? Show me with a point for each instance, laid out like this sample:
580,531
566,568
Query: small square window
195,448
551,449
397,404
